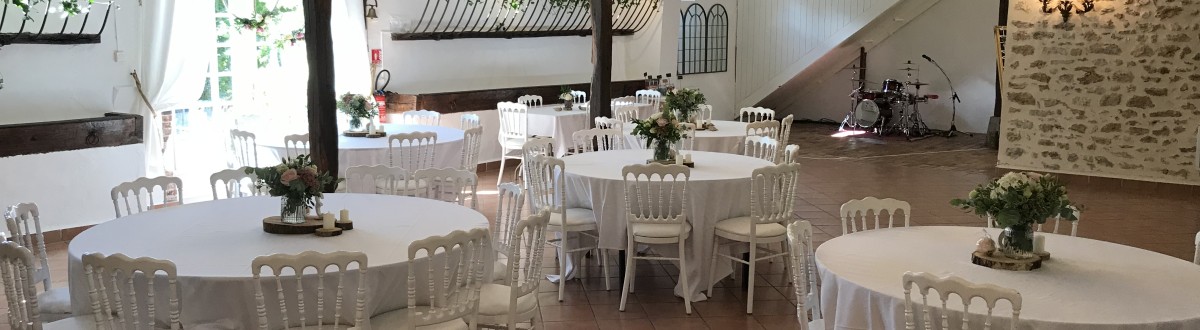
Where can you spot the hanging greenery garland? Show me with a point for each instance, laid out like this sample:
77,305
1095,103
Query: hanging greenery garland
261,19
70,7
568,4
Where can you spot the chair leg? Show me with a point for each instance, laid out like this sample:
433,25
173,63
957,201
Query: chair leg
500,176
604,268
562,264
712,266
630,263
750,279
683,278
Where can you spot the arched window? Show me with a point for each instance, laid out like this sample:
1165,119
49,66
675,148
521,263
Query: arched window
703,40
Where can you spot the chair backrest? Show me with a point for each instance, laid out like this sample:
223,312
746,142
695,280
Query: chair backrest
785,129
598,139
804,270
753,114
301,292
1057,220
17,276
791,155
624,100
452,279
530,100
412,151
377,179
609,123
122,291
244,147
469,121
656,193
543,176
142,193
626,113
580,97
508,213
768,128
472,145
855,213
450,185
688,141
966,292
295,145
761,147
648,96
773,194
421,117
514,121
25,225
525,257
703,112
234,183
1196,257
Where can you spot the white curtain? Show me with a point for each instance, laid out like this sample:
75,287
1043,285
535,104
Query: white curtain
352,61
178,41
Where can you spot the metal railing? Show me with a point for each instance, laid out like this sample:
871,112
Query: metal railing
458,19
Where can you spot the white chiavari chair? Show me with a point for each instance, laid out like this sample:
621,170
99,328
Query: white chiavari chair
450,305
785,129
469,121
656,197
1057,220
804,275
626,113
295,145
450,185
538,146
472,144
510,203
514,131
530,100
412,151
688,142
704,112
648,96
772,203
761,147
421,117
244,147
856,211
609,123
298,292
579,97
624,100
122,291
1196,257
791,154
234,183
598,139
517,302
547,191
24,223
139,195
966,292
381,179
768,128
754,114
20,294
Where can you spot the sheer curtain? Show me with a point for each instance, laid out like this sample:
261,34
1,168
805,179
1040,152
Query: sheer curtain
177,37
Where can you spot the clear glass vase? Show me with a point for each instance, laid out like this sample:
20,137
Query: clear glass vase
356,124
1016,240
664,151
292,212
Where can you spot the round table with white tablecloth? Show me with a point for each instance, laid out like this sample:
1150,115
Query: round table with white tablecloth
730,137
547,121
212,245
718,189
361,151
1086,284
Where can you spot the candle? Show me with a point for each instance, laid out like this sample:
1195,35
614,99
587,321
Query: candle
345,216
371,128
1039,243
678,159
328,225
687,158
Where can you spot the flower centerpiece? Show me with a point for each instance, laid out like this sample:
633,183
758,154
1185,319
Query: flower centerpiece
685,102
295,180
568,99
1017,201
661,132
357,107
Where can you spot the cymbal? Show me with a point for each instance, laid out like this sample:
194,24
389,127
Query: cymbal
918,83
908,69
854,68
908,63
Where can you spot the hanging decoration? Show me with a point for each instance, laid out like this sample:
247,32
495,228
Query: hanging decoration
261,21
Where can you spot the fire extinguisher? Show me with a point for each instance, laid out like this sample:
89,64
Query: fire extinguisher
381,96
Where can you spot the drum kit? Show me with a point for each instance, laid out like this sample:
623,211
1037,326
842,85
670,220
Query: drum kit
892,109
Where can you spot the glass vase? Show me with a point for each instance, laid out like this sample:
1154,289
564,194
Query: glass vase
1016,240
664,152
568,105
292,212
356,124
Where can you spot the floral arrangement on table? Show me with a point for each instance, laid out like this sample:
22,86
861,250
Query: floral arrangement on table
684,101
564,94
661,132
297,181
357,107
1017,201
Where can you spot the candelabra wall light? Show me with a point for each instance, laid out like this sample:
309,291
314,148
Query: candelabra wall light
1066,7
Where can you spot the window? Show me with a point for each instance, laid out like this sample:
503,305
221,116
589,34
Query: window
703,40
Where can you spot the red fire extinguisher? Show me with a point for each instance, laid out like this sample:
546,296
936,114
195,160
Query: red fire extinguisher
381,96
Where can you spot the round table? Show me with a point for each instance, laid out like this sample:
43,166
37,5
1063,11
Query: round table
361,151
730,137
1087,284
718,189
212,244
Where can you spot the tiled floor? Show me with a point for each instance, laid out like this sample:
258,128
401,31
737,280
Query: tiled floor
926,173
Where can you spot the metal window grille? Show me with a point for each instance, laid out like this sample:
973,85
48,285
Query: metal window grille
703,40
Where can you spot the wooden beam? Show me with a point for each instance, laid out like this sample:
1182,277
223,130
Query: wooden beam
49,38
475,100
322,99
114,129
601,58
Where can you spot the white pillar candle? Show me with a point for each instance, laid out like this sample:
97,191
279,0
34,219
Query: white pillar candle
1039,243
678,159
345,216
687,158
328,225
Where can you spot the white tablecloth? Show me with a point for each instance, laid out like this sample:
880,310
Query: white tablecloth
358,151
719,189
212,245
730,137
545,121
1087,284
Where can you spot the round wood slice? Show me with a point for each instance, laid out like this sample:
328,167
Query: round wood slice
355,134
322,232
275,225
1006,263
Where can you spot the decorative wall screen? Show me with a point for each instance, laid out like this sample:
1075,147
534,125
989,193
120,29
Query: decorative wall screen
703,40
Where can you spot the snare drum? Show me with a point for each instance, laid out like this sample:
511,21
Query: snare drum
893,87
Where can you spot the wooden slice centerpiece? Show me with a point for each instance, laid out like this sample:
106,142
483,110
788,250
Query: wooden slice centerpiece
275,225
1000,261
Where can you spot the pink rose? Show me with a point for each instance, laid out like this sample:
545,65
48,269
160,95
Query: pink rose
662,122
287,176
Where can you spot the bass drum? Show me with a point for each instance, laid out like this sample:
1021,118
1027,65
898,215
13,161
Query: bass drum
872,113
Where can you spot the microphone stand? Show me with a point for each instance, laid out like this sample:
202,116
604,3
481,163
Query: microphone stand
954,100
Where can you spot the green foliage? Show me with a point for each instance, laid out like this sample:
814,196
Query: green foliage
661,127
296,180
71,7
1018,199
357,107
684,101
566,4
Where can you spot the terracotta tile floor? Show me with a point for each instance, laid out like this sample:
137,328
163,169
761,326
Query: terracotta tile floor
926,173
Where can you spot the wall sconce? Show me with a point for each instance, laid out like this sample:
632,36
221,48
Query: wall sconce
372,15
1065,7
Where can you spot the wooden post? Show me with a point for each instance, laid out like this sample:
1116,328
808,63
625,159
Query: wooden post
601,93
322,99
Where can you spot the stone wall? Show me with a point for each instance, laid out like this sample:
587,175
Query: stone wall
1114,93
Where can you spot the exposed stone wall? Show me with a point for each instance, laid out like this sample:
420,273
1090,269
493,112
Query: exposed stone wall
1115,92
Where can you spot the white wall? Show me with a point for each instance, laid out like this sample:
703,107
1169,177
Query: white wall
957,34
718,87
55,82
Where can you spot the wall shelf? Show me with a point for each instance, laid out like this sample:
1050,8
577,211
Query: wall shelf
114,129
